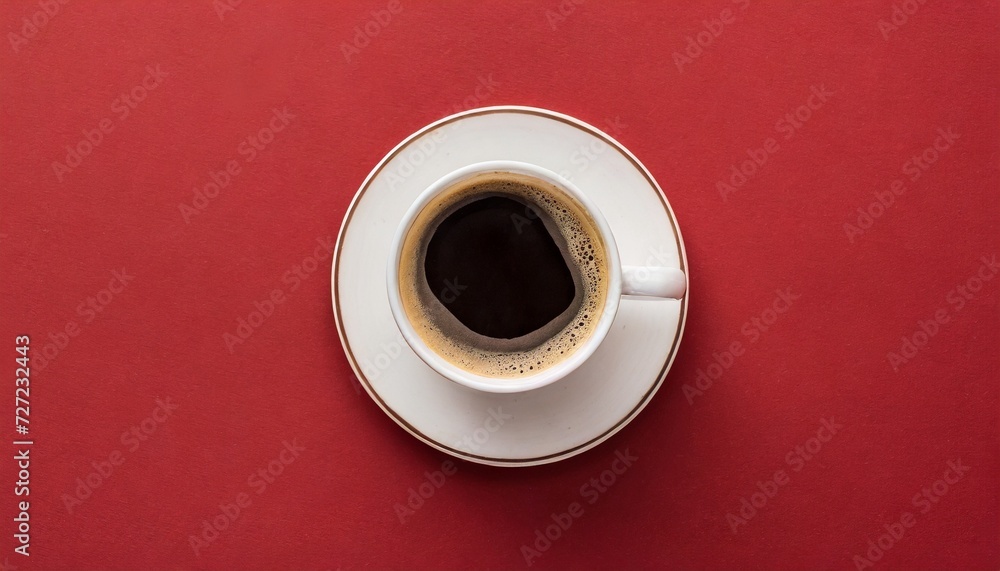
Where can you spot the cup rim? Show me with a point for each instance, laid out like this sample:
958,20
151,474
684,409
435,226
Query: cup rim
505,384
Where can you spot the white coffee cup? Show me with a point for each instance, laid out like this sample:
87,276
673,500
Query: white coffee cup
647,281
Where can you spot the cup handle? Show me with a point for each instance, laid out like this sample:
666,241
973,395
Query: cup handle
650,281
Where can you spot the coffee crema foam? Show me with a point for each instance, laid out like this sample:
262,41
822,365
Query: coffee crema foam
583,250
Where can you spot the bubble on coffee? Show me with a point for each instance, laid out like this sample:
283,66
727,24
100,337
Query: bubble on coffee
503,275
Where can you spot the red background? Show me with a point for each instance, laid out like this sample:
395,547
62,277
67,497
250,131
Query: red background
333,506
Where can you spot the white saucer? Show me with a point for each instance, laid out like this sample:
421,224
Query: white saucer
542,425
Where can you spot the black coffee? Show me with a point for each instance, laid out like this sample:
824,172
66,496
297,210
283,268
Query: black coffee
496,267
503,275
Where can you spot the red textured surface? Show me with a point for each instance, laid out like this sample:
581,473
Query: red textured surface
826,357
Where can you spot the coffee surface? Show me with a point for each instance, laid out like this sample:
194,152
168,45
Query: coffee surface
497,270
503,275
